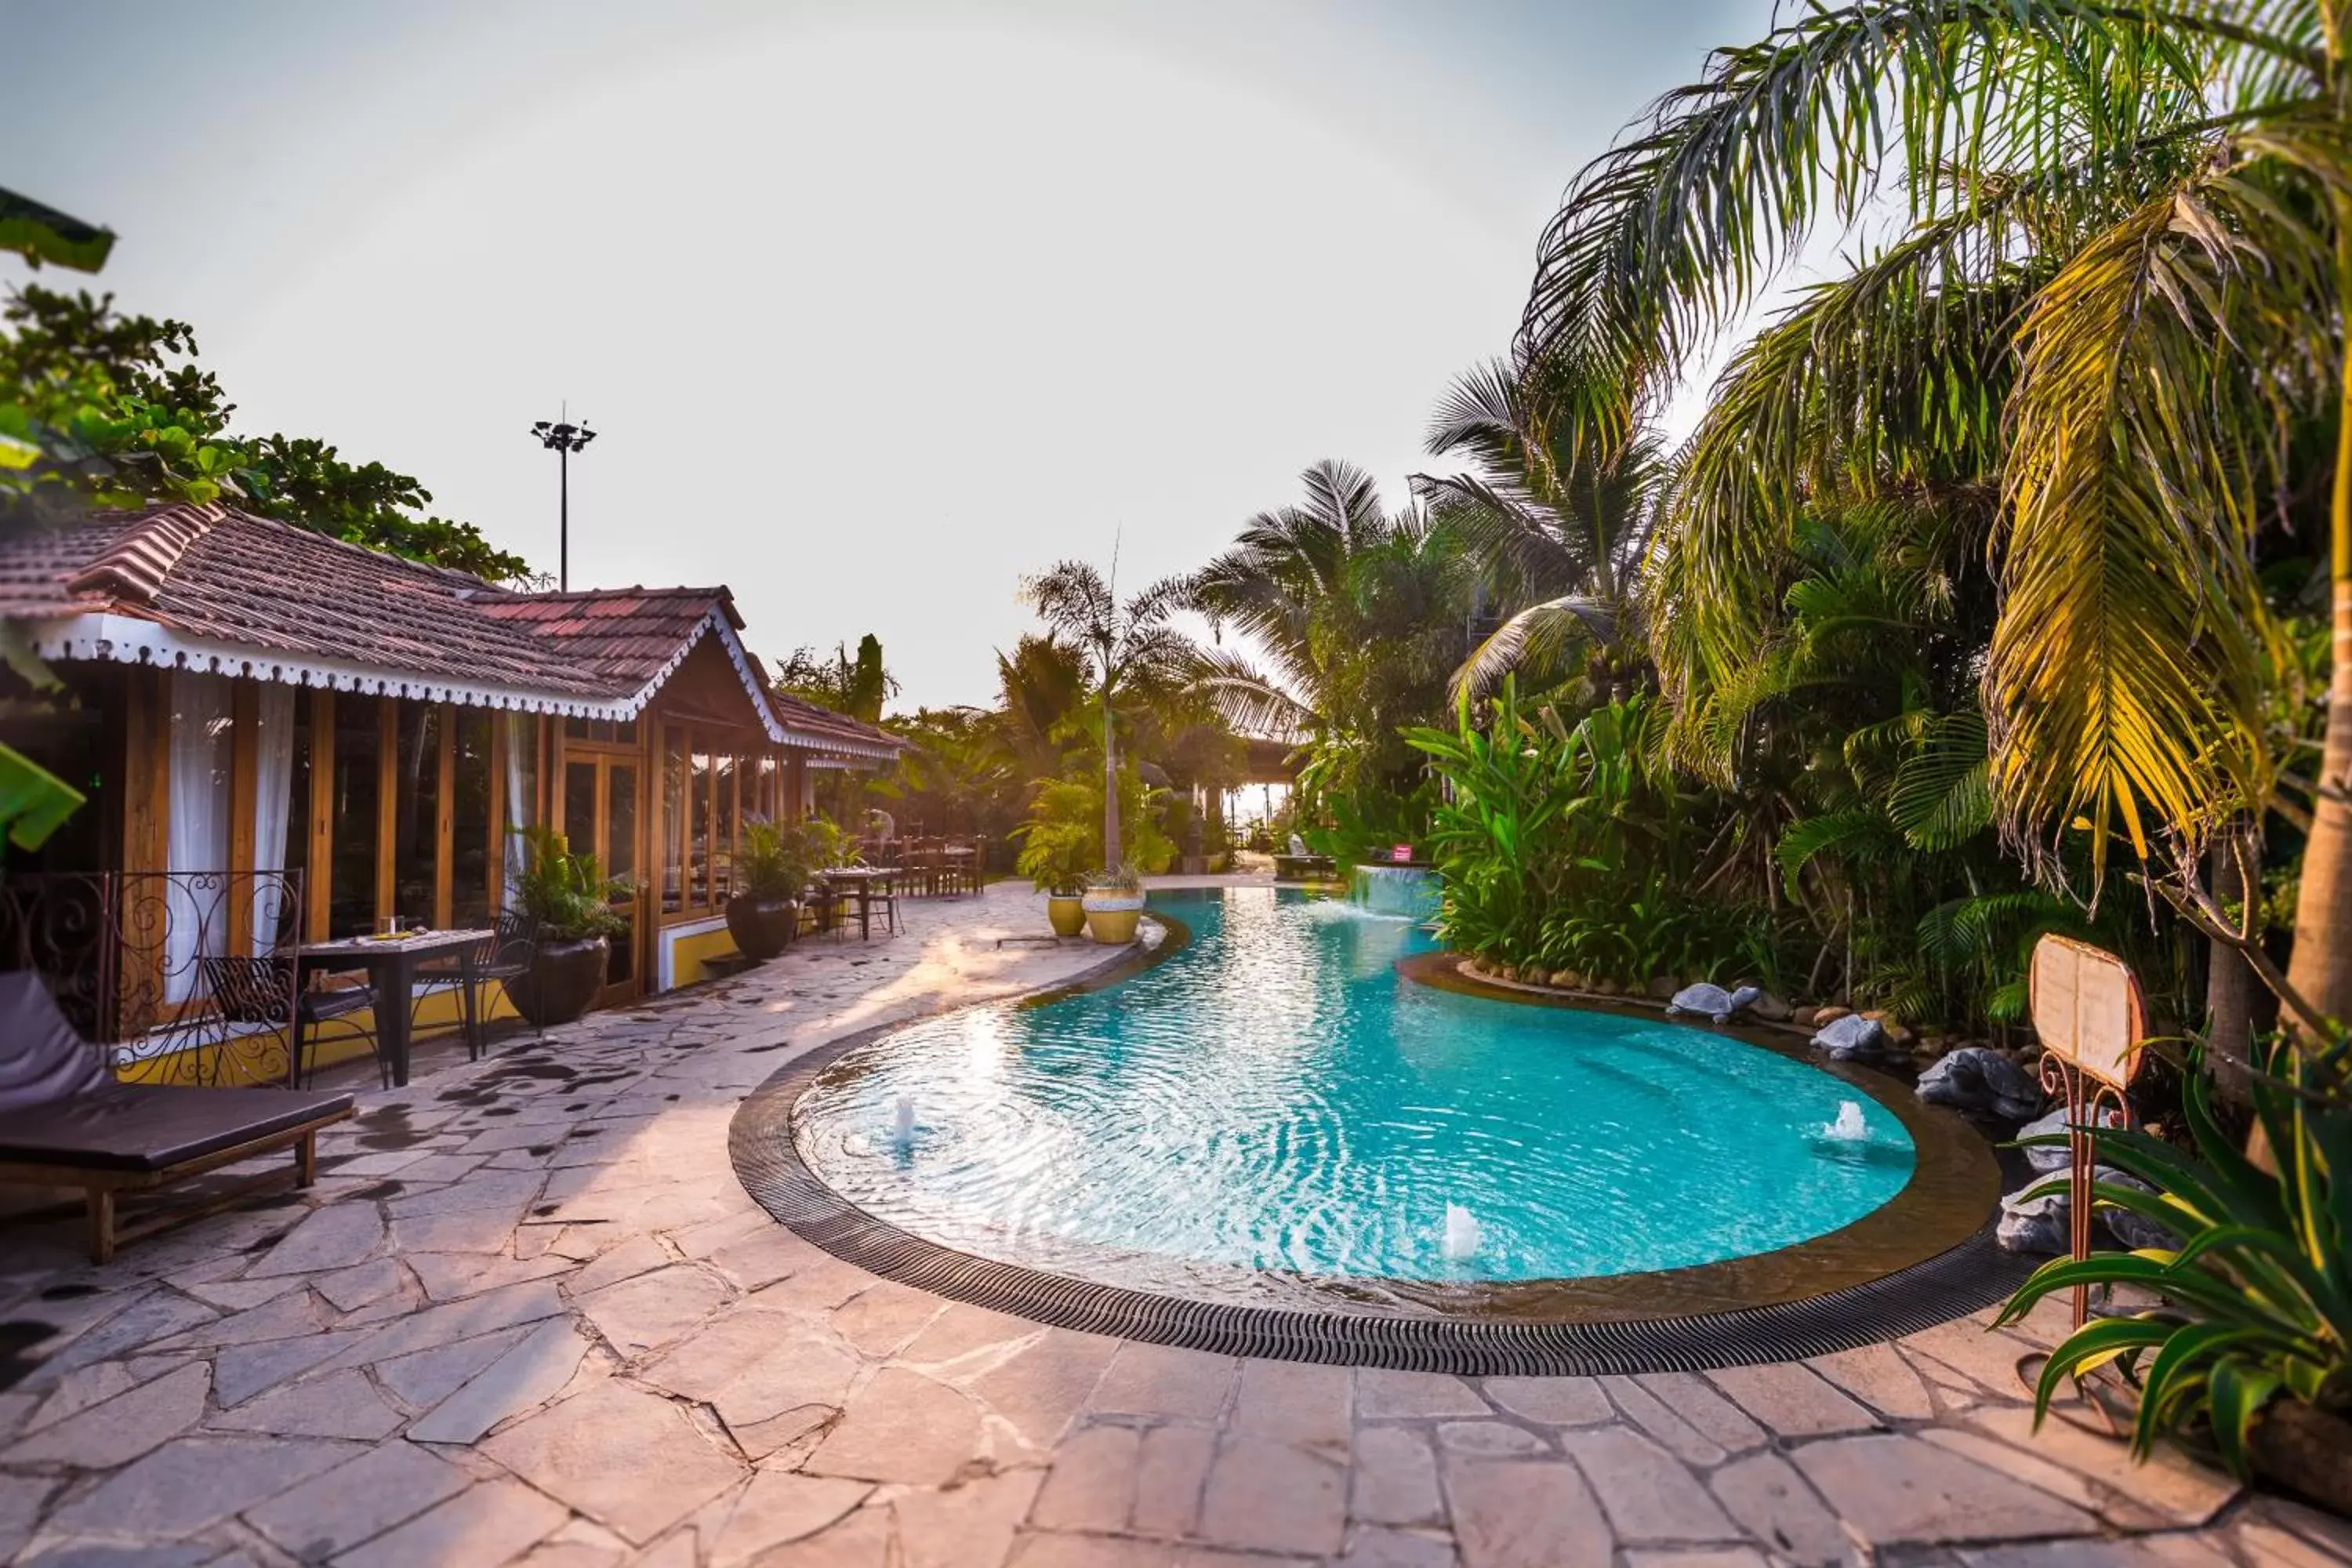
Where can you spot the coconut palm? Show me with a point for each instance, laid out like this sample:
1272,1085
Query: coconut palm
2118,297
1357,616
1134,646
1557,523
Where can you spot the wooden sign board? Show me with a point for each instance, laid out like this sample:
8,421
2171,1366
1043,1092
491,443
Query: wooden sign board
2087,1009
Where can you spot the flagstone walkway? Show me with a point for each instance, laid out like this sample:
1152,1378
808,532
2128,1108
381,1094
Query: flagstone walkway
529,1315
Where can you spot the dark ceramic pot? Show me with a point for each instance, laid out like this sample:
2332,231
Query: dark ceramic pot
2305,1450
761,928
561,983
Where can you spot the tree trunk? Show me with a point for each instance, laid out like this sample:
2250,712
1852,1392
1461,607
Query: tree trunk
2229,980
1110,788
2321,967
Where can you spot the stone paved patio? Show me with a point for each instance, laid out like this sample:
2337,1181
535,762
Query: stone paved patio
529,1315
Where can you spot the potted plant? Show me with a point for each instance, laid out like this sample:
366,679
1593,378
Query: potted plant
1054,854
569,900
1114,902
773,863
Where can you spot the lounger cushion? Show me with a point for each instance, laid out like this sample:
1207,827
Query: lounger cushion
151,1127
41,1058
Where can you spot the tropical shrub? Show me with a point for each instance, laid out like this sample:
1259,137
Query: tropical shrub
1064,835
568,895
1569,846
2255,1304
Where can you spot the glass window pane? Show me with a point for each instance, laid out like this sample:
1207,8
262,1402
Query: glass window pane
621,821
416,811
357,753
621,837
523,793
579,805
673,788
697,846
723,850
472,834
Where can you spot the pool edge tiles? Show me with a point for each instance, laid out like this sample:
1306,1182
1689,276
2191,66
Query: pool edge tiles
1922,1258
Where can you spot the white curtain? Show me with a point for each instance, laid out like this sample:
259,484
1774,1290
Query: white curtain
273,758
196,914
522,742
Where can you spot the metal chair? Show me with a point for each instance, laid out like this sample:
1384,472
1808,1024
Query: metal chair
502,955
264,991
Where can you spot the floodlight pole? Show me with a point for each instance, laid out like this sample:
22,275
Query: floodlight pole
563,438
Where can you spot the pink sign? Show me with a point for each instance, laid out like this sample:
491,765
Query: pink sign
1400,853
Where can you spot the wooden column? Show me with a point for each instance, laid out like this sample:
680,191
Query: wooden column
243,788
387,803
318,862
444,863
498,811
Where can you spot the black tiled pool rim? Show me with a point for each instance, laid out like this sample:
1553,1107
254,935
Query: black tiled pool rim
1969,1273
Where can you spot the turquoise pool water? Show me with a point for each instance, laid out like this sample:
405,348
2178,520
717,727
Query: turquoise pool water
1275,1100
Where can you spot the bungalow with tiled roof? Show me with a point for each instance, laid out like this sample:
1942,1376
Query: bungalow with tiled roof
249,697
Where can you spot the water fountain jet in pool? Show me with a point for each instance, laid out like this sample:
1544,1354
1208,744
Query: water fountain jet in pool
1848,1127
1462,1235
902,1136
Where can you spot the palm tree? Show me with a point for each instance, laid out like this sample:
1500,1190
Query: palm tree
1133,645
2118,299
1356,614
1557,522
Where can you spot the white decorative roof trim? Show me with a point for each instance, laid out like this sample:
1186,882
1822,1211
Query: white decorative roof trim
129,639
126,639
777,731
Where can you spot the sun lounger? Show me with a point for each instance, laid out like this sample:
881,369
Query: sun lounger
65,1122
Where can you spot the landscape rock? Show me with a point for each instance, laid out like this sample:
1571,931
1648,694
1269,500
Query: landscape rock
1769,1008
1805,1017
1829,1014
1567,979
1983,1082
1847,1038
1662,986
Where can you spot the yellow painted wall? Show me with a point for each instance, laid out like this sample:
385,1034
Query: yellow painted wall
264,1054
687,954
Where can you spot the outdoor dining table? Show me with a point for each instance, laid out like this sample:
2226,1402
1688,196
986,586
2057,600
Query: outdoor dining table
864,878
390,963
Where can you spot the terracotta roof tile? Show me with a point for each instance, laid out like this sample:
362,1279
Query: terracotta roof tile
219,575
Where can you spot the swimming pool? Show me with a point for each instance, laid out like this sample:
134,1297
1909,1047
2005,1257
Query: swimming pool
1275,1104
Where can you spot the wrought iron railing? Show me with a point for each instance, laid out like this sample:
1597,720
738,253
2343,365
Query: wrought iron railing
156,968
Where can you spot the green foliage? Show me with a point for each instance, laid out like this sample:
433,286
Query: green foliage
777,859
98,408
2257,1299
34,802
1567,846
1062,841
569,895
855,685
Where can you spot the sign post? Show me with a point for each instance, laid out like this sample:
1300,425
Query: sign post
2088,1011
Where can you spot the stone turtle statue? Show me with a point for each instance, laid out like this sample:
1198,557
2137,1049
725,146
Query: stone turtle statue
1716,1003
1975,1079
1852,1038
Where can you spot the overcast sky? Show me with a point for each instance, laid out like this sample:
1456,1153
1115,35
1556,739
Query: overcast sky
874,306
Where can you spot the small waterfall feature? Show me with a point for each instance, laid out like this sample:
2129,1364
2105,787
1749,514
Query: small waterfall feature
1409,892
